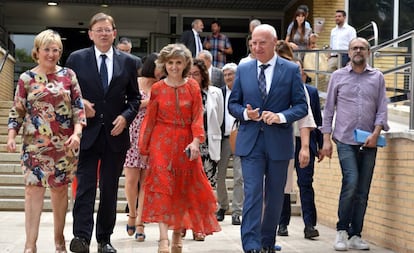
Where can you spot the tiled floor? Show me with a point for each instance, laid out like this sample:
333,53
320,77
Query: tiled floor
12,237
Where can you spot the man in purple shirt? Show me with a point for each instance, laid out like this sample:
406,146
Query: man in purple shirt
357,94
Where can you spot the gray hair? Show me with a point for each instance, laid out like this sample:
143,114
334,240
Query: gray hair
255,22
206,53
230,66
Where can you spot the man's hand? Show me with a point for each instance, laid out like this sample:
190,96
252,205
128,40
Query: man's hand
327,147
89,110
270,117
253,114
119,125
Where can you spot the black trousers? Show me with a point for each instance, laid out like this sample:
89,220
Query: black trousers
87,175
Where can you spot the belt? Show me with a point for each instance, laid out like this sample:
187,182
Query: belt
334,55
226,136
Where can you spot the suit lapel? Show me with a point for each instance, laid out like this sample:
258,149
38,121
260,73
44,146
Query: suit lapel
116,68
277,73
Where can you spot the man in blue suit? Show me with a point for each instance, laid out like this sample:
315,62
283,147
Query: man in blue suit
108,80
267,100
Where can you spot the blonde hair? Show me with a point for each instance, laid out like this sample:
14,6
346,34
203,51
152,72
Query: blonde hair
177,50
45,38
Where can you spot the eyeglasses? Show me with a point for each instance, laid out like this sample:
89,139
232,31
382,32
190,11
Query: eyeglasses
358,48
101,31
196,73
53,50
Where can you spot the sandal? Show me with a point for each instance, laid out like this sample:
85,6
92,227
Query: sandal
140,236
177,243
130,228
183,232
163,246
200,237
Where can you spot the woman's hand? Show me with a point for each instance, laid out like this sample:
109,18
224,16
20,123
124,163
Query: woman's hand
194,149
73,142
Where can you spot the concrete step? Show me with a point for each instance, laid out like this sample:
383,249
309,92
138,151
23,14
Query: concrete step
6,104
18,205
9,158
10,168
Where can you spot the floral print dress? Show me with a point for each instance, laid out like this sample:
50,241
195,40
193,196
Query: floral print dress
52,104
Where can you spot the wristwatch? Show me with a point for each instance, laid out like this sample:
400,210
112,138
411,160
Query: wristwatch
79,134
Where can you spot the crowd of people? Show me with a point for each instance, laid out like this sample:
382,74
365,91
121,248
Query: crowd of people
165,122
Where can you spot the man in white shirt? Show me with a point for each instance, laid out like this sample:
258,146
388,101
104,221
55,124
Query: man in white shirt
229,71
341,35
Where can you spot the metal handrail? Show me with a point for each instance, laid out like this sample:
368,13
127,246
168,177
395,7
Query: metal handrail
3,60
374,30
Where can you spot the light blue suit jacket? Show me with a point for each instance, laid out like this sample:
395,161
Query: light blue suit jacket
286,96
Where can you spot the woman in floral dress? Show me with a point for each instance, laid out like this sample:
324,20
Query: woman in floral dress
177,192
48,105
134,167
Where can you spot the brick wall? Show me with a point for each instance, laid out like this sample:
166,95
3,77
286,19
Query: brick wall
6,78
389,221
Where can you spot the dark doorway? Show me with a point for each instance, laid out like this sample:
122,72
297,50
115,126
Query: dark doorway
72,39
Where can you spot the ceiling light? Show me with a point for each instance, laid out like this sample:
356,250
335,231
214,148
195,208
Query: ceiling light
52,3
104,5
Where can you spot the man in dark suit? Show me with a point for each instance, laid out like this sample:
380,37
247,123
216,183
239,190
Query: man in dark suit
215,74
267,97
191,38
108,80
305,174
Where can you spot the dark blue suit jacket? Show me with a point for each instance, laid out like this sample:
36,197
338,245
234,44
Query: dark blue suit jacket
122,97
187,38
316,137
286,96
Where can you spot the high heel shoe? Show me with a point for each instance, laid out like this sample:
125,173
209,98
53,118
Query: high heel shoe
140,236
130,228
163,246
177,243
200,237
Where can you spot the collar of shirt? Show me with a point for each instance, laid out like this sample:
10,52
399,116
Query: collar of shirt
109,54
268,71
348,67
195,32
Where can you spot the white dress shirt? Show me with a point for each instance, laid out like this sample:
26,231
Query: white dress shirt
109,61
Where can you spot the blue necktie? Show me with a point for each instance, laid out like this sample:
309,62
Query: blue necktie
262,80
103,72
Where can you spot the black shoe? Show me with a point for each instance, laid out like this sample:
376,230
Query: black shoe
79,245
220,214
106,247
311,232
235,220
282,231
270,249
253,251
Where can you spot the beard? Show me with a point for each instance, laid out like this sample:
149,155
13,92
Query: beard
359,60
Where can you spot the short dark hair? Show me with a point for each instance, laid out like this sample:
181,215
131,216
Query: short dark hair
341,11
216,22
205,79
148,65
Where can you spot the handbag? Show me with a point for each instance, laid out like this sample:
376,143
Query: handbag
233,135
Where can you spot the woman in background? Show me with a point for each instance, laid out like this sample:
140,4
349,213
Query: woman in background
213,106
134,167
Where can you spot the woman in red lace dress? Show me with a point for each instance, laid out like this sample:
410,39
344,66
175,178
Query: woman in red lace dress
178,193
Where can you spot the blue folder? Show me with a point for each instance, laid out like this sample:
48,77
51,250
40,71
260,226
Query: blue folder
360,136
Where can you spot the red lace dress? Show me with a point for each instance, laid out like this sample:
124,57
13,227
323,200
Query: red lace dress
177,191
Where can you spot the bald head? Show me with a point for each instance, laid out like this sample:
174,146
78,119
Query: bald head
264,38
